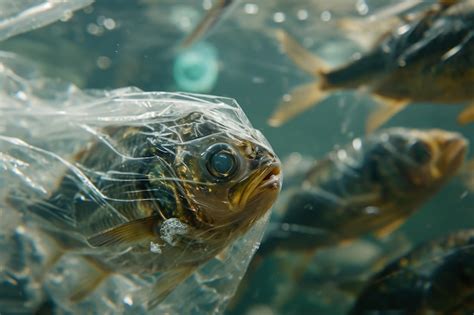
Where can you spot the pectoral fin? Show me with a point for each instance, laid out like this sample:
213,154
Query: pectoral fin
127,233
300,99
386,109
467,115
303,58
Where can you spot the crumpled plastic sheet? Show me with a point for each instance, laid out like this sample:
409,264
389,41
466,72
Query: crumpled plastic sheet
19,16
44,123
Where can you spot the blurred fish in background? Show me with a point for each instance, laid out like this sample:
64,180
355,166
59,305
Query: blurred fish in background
428,58
372,185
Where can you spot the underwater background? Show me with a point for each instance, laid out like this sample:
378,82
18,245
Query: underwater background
112,44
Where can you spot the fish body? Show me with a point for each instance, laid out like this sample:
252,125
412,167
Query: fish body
161,190
436,277
370,185
426,59
423,61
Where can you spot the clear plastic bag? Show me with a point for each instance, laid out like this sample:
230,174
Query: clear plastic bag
55,197
21,16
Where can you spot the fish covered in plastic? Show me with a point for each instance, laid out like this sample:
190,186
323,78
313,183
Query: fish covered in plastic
429,58
434,278
135,183
372,184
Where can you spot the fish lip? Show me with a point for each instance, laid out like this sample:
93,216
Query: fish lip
272,178
268,177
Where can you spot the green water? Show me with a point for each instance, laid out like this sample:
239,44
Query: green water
140,49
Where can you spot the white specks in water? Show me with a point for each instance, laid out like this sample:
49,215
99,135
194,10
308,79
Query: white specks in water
279,17
128,300
251,8
95,29
371,210
155,248
207,4
326,16
286,98
109,24
185,18
357,143
302,15
403,29
402,62
464,194
362,7
342,154
104,62
171,229
258,80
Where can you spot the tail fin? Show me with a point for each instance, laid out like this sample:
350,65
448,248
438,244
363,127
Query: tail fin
385,109
304,59
467,115
304,96
299,100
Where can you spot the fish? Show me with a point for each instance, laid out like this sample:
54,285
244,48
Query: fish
371,185
215,15
426,59
436,277
368,187
160,195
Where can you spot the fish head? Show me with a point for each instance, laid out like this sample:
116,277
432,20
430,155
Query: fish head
421,160
230,174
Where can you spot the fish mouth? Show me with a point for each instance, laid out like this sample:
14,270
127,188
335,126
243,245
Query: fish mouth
266,179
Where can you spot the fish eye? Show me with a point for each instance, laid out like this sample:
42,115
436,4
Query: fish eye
419,152
221,161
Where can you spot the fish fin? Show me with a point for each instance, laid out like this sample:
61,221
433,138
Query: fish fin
390,228
386,109
130,232
300,99
370,30
165,285
90,281
303,58
467,115
207,24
